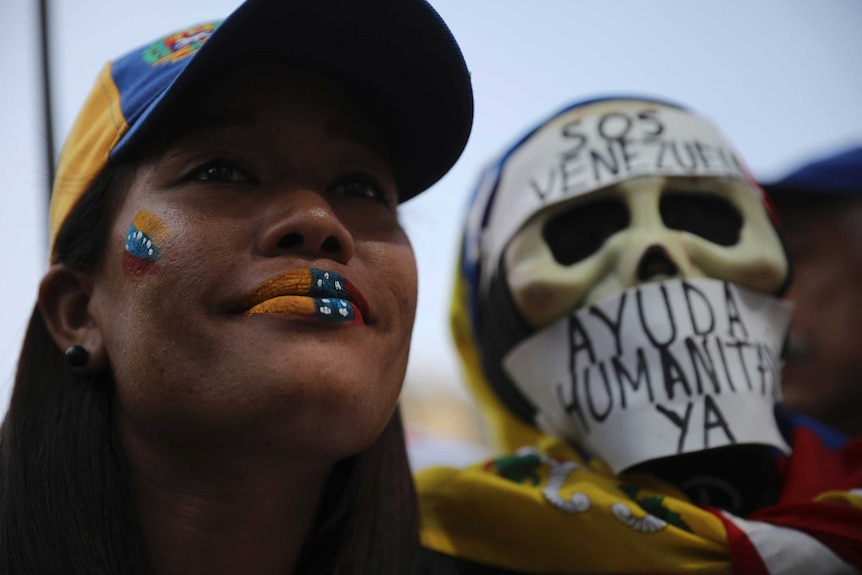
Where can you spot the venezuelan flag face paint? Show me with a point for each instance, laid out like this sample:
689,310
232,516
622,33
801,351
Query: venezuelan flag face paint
314,294
142,252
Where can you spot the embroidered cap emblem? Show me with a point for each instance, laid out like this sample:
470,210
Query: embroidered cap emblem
178,46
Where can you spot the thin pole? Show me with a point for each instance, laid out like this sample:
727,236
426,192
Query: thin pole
47,115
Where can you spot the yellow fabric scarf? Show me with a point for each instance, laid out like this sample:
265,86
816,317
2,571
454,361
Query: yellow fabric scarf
530,512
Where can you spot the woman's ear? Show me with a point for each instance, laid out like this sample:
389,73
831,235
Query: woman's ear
64,301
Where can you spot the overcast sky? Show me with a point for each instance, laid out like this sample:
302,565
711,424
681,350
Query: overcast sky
780,77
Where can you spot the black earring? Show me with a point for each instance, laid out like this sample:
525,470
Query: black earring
76,356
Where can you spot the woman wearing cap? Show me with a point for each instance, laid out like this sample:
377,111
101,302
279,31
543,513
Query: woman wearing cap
209,380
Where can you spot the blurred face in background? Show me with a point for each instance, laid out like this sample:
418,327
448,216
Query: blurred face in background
823,371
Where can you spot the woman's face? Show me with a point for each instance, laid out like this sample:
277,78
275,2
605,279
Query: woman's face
219,320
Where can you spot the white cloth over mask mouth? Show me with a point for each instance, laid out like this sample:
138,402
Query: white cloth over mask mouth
661,369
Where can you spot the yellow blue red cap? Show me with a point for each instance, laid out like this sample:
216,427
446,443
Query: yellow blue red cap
398,56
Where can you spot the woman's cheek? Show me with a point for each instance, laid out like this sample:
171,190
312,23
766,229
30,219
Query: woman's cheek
144,244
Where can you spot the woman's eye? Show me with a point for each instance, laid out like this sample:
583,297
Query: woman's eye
220,171
360,186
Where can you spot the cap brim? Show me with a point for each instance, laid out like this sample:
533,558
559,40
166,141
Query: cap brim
397,56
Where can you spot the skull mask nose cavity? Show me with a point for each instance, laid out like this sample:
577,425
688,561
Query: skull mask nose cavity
655,262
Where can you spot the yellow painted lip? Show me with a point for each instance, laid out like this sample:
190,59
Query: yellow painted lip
329,310
285,304
296,282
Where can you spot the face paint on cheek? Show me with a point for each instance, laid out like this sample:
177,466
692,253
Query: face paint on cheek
142,253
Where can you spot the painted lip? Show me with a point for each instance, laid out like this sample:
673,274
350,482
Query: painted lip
316,294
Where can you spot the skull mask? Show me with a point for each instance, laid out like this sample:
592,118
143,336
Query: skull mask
648,228
608,196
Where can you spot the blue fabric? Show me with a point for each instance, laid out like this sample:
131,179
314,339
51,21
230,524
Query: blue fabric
839,174
788,421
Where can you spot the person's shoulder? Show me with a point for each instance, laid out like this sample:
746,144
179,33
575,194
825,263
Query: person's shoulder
430,562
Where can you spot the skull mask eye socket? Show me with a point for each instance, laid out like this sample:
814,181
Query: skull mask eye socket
711,217
577,233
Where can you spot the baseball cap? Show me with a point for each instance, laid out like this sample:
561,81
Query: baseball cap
397,56
837,175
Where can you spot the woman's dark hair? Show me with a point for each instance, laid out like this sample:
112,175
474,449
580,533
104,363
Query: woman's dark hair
66,505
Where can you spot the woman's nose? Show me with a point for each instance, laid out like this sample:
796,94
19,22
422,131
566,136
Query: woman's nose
306,225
